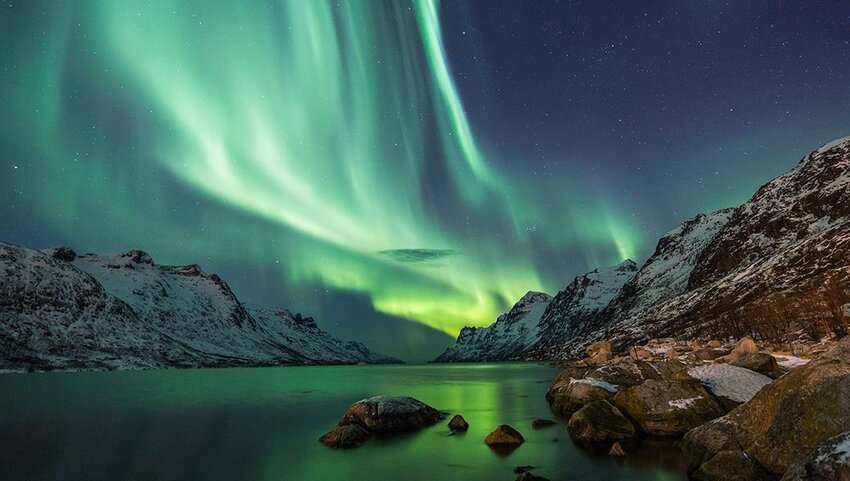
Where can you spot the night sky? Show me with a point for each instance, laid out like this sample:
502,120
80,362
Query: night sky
401,169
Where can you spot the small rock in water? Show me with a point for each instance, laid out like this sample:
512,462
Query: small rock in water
390,414
542,423
349,436
458,423
504,435
617,450
526,476
523,469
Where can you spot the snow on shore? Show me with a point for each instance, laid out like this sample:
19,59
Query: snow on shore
732,382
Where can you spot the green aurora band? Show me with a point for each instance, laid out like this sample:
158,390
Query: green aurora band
326,125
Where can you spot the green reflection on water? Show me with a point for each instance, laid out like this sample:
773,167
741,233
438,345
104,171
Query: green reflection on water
263,424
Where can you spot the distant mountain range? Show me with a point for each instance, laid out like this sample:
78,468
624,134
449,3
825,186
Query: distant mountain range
59,310
777,267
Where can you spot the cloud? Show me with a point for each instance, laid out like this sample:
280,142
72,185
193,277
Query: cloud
419,256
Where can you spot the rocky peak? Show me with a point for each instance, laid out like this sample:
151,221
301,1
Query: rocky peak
139,257
808,200
62,253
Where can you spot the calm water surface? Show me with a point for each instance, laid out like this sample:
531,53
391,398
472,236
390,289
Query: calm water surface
264,423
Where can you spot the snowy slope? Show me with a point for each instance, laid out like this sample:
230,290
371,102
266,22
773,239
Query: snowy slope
665,274
578,305
778,264
60,310
511,334
540,320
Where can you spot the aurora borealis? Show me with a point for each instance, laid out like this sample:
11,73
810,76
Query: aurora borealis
391,165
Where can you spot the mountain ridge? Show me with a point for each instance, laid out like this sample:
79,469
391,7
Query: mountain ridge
122,311
775,267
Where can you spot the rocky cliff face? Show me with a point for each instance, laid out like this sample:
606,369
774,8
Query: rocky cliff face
539,320
511,334
575,308
775,267
122,311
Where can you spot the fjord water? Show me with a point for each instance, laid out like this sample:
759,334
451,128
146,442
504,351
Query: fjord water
264,424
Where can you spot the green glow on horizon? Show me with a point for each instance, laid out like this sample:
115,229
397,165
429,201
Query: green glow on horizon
313,119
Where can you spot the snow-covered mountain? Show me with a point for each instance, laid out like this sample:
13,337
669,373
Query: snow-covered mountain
511,334
59,310
538,320
776,266
581,301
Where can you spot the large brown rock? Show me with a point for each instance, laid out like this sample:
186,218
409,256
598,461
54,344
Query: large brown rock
458,423
784,422
573,388
390,414
744,346
668,408
759,362
348,436
504,435
599,347
600,421
567,396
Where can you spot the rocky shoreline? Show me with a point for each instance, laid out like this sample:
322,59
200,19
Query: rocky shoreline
742,411
738,411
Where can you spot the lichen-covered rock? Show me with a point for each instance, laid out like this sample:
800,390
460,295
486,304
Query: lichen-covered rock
567,396
759,362
600,421
785,421
390,414
668,408
458,423
504,435
573,388
829,462
744,346
348,436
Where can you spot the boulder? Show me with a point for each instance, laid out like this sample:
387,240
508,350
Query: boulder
616,450
573,388
744,346
668,408
348,436
829,462
504,435
542,423
599,346
600,421
784,422
759,362
458,423
600,358
632,373
390,414
638,353
706,354
567,396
